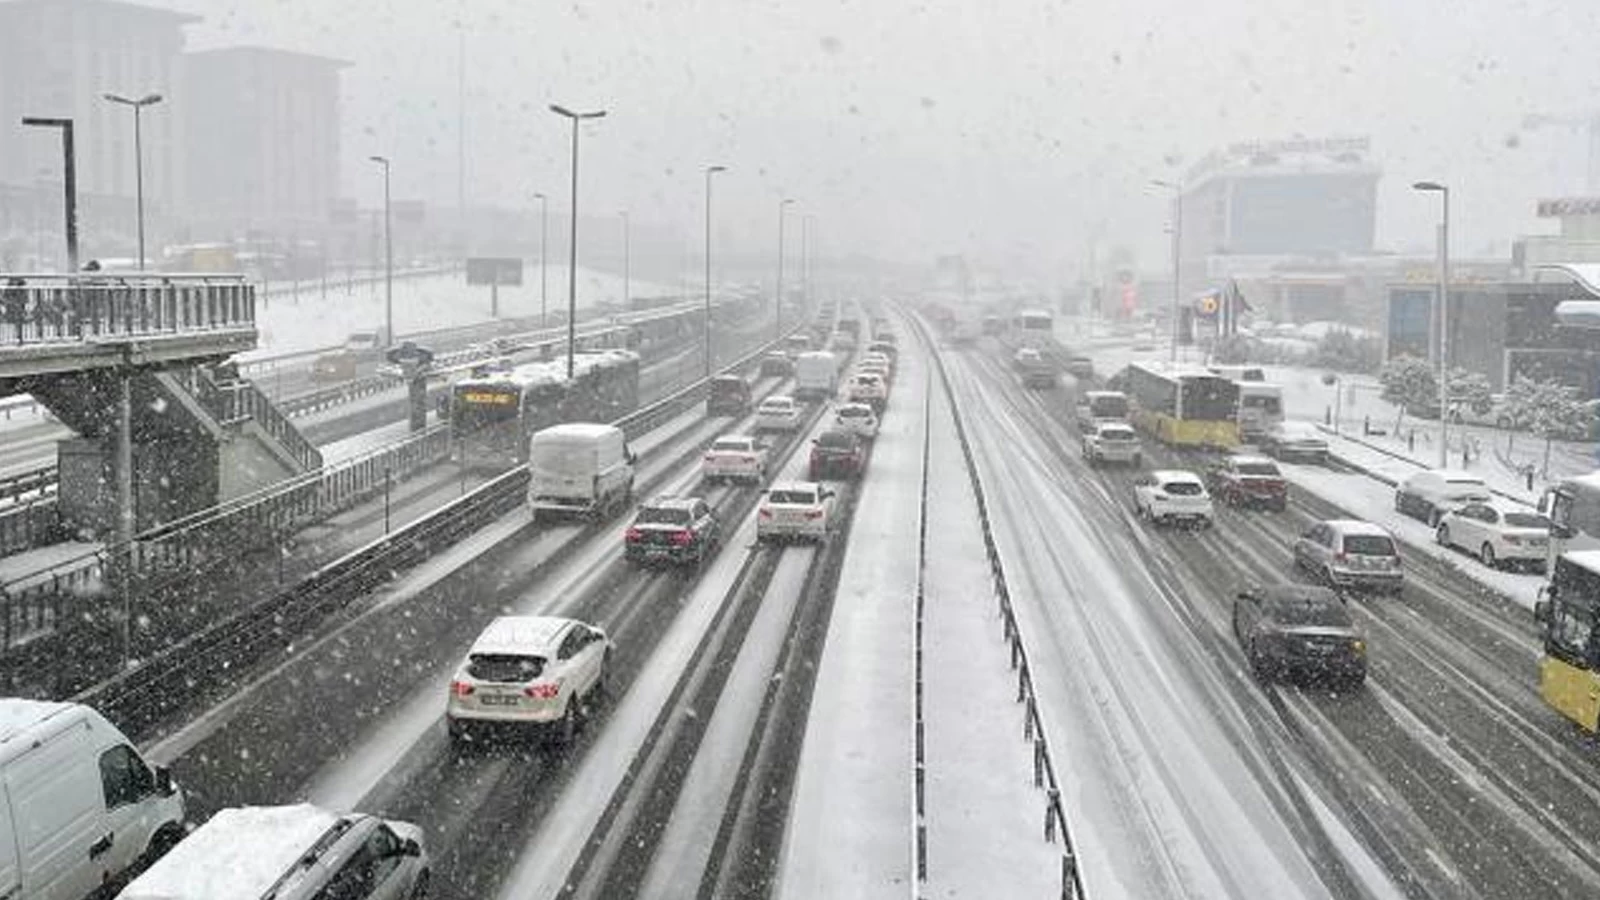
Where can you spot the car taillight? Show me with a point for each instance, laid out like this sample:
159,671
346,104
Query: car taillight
632,535
543,691
1512,539
1340,556
460,688
813,513
682,538
765,513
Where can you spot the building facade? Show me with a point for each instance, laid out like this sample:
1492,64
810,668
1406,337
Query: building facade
264,139
57,59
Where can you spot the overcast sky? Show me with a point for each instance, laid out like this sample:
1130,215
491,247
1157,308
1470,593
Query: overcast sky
1008,130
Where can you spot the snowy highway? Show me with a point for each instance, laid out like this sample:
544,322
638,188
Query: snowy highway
757,736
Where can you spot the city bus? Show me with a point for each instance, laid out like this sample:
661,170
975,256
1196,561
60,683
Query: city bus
1569,670
1573,506
494,413
1183,406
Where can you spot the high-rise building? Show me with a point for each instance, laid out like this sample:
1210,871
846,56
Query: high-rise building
57,59
264,141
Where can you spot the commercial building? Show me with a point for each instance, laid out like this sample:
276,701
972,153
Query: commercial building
264,133
57,59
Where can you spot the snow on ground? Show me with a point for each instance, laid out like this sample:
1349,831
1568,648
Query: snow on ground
357,444
851,816
984,815
307,321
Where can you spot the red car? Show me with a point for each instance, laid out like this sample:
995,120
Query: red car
1250,481
837,454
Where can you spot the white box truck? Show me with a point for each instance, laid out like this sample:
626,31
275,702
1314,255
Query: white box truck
816,375
579,468
80,806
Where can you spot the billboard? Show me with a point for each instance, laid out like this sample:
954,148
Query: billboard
505,270
1302,214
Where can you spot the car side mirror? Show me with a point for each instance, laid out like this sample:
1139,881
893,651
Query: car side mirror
411,848
165,786
1541,612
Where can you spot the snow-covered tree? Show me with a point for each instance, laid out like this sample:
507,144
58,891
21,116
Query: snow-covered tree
1408,381
1548,409
1471,390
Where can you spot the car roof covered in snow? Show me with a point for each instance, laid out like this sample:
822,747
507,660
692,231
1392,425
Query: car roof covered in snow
239,853
520,634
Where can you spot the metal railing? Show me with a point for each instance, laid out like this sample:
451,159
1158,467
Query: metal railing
65,308
35,482
29,524
237,400
1045,777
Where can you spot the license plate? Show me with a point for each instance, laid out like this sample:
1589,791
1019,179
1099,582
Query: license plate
499,699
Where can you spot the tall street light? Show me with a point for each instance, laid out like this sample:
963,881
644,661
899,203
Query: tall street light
138,156
572,241
710,171
777,331
388,255
544,232
69,181
1177,249
1443,315
627,299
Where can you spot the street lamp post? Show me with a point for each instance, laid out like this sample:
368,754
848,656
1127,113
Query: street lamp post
1177,251
627,266
69,182
138,156
1443,316
777,331
544,231
710,171
388,255
572,240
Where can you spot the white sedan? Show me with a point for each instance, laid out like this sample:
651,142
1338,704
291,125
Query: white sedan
779,414
1171,495
1497,534
795,509
735,457
856,418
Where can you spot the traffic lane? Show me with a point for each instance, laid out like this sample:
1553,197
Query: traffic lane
1451,718
1163,782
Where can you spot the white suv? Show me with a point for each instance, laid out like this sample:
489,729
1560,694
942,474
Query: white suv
1173,495
529,670
1112,442
1429,494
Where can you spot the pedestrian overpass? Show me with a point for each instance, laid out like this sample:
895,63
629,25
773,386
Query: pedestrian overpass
200,434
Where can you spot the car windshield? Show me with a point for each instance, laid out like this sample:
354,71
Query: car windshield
731,445
1265,469
837,440
1308,610
1118,434
796,498
854,412
776,405
505,668
1527,520
663,515
1183,488
1368,545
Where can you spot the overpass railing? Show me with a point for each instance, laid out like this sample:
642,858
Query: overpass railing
77,308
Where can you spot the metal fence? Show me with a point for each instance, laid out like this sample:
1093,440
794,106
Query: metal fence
65,308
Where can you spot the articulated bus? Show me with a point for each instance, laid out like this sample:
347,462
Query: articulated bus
1186,407
494,413
1569,670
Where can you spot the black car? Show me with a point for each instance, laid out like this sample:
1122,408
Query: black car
729,395
672,529
837,454
776,365
1299,629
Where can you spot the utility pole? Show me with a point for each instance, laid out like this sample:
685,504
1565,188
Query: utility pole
710,171
572,241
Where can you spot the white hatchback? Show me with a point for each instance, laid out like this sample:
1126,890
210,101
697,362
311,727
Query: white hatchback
1173,495
856,418
795,509
778,413
529,671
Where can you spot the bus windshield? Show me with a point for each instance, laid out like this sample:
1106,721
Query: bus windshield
477,407
1109,406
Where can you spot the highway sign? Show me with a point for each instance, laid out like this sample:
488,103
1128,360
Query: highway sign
494,270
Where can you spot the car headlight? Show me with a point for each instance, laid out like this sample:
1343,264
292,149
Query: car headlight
1359,647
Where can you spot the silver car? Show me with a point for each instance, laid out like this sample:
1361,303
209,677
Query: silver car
1350,553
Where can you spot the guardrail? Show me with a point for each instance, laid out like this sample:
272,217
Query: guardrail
143,694
29,524
39,482
1033,730
76,308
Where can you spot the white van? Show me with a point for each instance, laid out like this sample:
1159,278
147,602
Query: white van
579,468
80,806
816,375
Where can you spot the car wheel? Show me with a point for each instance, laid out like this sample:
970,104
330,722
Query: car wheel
420,889
1442,534
1434,515
1258,666
1400,503
1486,553
566,730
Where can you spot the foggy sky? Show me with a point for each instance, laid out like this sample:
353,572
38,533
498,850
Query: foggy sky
1010,131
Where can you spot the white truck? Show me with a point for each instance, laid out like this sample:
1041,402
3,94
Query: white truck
80,806
580,468
816,375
